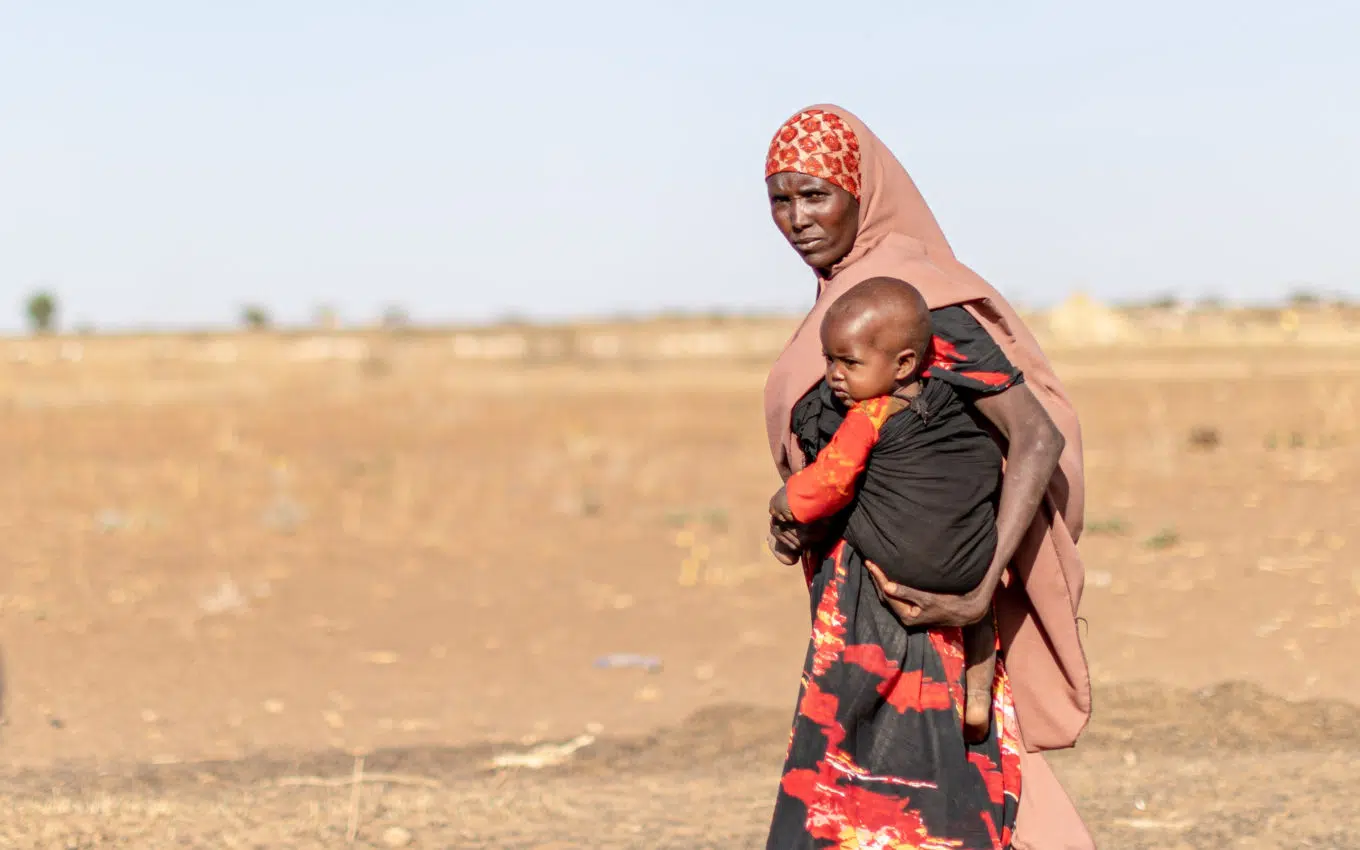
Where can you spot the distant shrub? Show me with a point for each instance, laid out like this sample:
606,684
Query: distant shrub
1164,539
41,310
326,317
395,318
1113,526
254,317
1304,298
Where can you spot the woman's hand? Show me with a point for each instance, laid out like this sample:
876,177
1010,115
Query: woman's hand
919,608
784,542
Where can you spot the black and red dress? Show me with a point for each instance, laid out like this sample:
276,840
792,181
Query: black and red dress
877,758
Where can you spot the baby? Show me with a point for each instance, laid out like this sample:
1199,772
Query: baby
907,470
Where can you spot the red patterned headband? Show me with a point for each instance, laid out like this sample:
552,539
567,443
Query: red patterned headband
819,144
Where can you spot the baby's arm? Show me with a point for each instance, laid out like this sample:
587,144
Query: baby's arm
825,486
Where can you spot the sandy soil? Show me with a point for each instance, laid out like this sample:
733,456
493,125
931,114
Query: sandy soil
218,583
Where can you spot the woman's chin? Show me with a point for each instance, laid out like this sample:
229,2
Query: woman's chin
817,260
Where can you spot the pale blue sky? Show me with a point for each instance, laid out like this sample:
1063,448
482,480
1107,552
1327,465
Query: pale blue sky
163,162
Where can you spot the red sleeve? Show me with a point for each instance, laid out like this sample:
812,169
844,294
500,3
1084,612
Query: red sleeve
825,486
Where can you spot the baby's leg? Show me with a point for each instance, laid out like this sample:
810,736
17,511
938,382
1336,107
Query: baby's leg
979,655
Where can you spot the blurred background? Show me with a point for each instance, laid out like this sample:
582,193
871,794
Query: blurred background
380,394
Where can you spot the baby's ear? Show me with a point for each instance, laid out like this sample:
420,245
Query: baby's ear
907,359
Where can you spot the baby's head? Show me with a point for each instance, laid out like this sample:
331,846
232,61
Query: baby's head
876,338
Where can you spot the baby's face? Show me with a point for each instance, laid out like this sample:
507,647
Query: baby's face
856,368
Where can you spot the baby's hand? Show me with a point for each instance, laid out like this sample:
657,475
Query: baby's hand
779,507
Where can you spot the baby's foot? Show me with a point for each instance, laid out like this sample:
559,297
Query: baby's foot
977,716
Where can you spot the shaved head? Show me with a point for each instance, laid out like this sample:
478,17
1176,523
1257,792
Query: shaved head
889,314
876,338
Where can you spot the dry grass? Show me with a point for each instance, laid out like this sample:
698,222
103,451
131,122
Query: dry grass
397,546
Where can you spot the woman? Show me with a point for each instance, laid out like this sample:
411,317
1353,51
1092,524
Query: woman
877,756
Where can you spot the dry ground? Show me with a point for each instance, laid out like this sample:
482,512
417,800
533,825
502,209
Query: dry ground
219,578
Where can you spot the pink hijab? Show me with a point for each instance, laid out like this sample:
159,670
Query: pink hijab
899,237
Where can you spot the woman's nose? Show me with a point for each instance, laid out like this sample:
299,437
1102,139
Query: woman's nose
798,217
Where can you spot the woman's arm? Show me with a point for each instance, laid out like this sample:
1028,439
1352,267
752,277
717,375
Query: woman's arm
1033,446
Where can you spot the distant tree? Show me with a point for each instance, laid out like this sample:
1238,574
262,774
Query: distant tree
1304,298
327,318
42,312
395,318
254,317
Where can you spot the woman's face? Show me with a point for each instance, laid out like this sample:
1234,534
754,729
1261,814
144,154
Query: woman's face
819,219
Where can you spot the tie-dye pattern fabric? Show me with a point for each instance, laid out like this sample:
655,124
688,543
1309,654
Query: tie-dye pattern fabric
877,758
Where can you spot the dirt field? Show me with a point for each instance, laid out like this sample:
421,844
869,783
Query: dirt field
228,590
